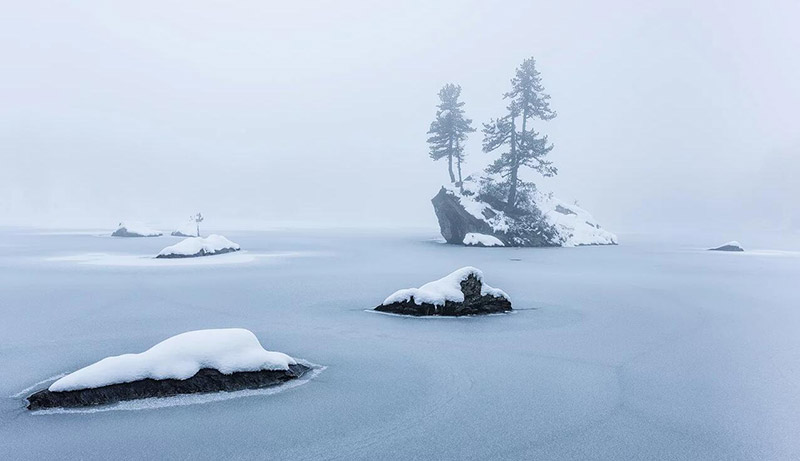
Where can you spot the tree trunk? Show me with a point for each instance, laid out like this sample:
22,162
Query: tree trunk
460,181
512,189
450,159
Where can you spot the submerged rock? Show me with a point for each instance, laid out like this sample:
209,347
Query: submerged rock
730,246
206,380
463,292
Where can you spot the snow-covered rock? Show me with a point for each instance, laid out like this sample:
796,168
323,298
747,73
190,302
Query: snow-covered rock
733,245
135,229
187,229
196,361
481,240
575,225
548,221
462,292
199,246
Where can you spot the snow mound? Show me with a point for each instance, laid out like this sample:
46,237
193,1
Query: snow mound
576,226
199,246
187,229
484,240
445,289
135,229
227,350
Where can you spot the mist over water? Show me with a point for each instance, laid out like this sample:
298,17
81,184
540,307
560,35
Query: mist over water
674,117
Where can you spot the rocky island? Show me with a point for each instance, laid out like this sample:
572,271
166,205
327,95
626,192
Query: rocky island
194,362
462,292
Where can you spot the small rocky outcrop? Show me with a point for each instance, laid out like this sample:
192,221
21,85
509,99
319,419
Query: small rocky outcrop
125,231
730,246
206,380
178,233
461,293
194,247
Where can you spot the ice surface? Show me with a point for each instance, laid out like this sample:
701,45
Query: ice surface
447,288
476,239
648,350
194,245
228,350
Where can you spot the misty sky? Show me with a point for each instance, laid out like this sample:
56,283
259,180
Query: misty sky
674,114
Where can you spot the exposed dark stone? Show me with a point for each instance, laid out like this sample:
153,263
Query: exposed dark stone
727,248
565,211
474,303
200,253
180,234
455,222
205,380
123,232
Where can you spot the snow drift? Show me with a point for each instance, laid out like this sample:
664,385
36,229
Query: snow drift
199,246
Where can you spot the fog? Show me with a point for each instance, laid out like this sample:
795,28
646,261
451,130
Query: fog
673,116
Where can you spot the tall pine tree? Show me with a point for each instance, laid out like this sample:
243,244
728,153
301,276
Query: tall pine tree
449,130
524,146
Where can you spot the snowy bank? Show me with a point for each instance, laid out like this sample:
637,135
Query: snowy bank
462,292
733,245
199,246
135,229
192,362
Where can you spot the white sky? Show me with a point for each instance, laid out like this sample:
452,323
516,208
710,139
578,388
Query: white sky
675,114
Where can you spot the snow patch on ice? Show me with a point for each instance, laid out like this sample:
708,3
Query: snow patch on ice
476,239
194,246
228,350
447,288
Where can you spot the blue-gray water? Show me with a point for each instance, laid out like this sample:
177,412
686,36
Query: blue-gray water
640,351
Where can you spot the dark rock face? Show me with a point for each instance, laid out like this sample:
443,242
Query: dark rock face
206,380
200,253
122,232
455,222
727,248
474,303
180,234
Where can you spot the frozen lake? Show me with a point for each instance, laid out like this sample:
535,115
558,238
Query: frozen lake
641,351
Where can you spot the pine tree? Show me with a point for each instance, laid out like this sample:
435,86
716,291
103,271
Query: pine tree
525,147
449,130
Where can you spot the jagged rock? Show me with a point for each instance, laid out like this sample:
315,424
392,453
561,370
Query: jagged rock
206,380
463,292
